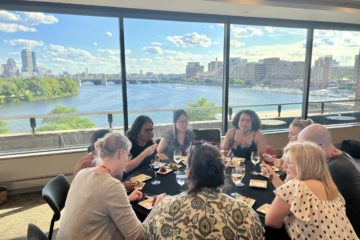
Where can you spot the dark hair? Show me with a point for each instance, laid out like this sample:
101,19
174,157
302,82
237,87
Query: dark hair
206,168
134,131
176,115
255,120
96,135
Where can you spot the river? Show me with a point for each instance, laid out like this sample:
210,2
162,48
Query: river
99,98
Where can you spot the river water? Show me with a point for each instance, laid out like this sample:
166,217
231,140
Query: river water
98,98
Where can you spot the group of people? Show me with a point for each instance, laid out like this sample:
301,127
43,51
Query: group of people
317,199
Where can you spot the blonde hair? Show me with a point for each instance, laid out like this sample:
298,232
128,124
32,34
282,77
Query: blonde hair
301,123
310,163
111,143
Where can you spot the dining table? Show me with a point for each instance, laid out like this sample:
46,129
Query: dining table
169,186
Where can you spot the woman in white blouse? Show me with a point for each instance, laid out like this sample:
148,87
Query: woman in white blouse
308,203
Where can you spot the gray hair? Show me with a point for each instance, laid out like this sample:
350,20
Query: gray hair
111,143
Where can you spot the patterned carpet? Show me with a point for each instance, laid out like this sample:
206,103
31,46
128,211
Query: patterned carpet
22,209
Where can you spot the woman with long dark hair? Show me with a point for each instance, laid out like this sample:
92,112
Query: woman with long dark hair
179,137
143,146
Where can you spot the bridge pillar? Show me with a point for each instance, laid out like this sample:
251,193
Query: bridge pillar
103,81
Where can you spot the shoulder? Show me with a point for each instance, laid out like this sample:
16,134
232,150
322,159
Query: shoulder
230,131
259,135
289,190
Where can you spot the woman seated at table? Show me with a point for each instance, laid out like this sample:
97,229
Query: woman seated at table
295,128
203,212
309,203
143,146
97,206
179,137
245,137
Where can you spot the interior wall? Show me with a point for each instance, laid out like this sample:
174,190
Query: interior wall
24,173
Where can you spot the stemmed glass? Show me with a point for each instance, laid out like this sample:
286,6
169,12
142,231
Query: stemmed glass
177,155
237,175
155,165
255,160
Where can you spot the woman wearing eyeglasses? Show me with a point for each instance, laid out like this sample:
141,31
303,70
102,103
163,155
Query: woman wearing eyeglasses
308,203
97,206
143,146
179,137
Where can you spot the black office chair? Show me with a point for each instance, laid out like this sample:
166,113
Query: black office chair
55,193
211,135
35,233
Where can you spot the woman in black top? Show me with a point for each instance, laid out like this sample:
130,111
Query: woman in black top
143,146
245,137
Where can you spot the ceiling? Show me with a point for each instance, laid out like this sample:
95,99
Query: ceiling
345,11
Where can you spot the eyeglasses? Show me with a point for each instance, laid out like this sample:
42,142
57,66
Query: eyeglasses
130,156
287,162
184,122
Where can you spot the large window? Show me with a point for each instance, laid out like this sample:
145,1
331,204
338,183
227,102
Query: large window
335,77
172,65
267,67
57,64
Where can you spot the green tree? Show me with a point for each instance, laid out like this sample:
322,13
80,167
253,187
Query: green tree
65,123
202,110
3,127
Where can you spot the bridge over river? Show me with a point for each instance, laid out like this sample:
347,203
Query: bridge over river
105,81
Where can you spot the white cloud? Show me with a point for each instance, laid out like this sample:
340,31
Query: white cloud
25,43
246,32
109,34
14,27
36,18
269,29
128,51
190,40
74,53
109,51
95,43
9,16
153,50
236,44
156,43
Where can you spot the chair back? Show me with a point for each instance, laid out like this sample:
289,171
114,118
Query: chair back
55,193
35,233
211,135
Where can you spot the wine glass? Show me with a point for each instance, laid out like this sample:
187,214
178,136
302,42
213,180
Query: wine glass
181,177
177,155
237,175
255,160
155,165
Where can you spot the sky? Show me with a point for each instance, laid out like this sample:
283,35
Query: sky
74,43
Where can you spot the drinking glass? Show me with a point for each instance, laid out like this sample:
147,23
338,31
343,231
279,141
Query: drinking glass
177,155
237,175
181,177
155,165
255,158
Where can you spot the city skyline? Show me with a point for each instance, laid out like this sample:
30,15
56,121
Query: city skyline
153,45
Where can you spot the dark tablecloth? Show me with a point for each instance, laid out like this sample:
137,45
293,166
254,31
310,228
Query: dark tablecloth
169,186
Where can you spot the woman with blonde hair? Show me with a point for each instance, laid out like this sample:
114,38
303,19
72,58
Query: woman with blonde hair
97,206
308,203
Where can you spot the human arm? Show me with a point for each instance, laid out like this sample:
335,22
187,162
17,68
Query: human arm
85,162
122,214
135,195
227,141
267,170
161,148
133,163
277,212
260,144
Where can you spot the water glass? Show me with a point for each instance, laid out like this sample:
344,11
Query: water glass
255,159
181,177
237,174
155,166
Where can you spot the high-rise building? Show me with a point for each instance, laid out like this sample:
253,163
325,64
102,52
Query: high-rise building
193,69
10,69
215,69
322,71
28,59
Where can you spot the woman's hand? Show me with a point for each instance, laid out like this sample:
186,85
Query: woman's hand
129,186
135,195
159,198
266,169
150,150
